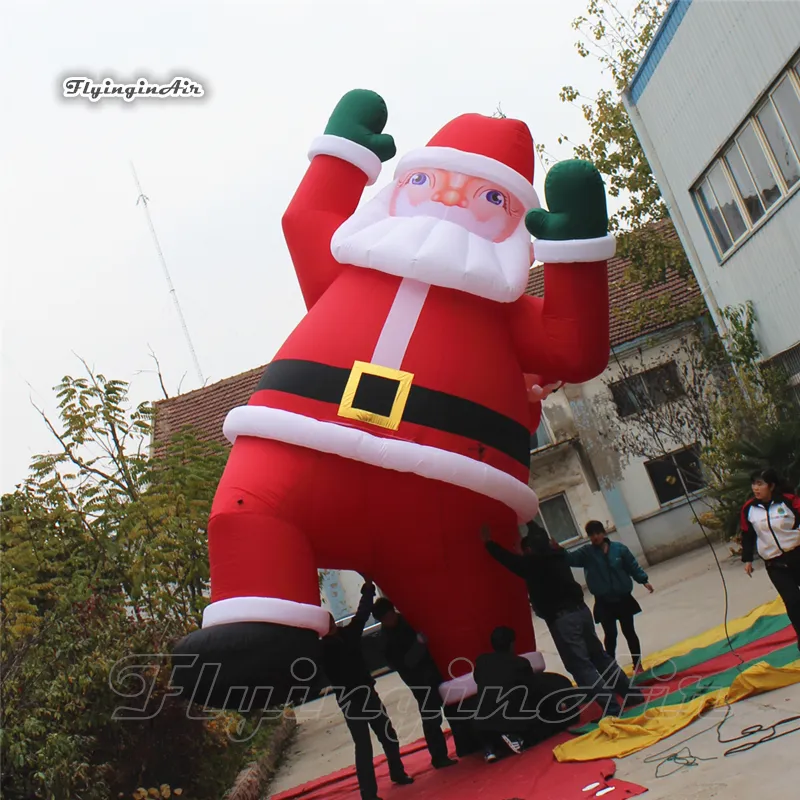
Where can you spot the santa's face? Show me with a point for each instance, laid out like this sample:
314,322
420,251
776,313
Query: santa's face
443,228
483,208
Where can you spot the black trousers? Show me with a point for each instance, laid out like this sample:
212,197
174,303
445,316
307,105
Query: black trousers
784,572
430,711
363,709
628,631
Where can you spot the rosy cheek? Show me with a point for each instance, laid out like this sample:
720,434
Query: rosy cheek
417,194
484,211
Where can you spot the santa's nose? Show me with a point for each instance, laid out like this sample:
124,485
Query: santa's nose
450,197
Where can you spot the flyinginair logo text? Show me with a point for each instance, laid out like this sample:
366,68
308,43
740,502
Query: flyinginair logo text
86,87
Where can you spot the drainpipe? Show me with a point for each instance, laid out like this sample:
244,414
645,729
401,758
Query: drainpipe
620,514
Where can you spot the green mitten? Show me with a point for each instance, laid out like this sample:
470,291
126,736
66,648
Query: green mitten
360,116
576,199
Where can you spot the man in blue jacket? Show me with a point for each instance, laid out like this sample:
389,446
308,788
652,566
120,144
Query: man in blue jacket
610,569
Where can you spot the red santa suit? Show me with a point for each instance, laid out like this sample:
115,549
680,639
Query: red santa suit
395,420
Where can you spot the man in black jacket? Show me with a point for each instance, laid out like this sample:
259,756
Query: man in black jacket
407,653
557,598
354,686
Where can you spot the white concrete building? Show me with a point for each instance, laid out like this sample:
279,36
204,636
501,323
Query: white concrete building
716,106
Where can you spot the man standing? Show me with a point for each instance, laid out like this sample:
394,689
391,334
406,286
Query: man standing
407,653
557,598
354,686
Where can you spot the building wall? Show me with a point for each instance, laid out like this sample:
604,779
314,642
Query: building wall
662,531
710,74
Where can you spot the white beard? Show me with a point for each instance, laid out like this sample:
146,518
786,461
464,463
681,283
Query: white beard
433,248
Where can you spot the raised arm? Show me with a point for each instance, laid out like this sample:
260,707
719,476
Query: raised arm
577,557
565,336
343,161
511,561
356,625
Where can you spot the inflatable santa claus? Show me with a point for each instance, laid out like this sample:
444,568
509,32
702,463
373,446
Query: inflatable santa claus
395,420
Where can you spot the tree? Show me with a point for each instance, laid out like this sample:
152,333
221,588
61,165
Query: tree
619,41
731,408
103,557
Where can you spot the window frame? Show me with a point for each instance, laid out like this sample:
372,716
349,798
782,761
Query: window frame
792,73
540,517
550,438
671,366
695,450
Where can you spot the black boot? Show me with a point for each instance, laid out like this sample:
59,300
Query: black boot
261,657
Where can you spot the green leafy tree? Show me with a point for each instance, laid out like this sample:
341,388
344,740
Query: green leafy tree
618,40
103,557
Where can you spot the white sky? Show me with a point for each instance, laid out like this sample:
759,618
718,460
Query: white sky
80,273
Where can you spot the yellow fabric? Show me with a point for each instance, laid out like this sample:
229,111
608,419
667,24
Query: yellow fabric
616,738
772,609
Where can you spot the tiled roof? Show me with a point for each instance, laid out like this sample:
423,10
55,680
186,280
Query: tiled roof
205,409
623,295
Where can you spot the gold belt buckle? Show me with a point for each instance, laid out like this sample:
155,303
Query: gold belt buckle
392,421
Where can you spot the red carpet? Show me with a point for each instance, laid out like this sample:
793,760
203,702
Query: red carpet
534,775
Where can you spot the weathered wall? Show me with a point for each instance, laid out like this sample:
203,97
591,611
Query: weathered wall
671,532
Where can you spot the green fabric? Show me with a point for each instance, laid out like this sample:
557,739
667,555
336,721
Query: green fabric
576,199
360,116
777,658
762,627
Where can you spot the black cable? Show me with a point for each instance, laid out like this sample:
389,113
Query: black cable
684,757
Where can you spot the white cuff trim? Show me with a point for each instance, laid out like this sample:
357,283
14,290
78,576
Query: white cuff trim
403,456
458,689
267,609
352,153
470,164
571,251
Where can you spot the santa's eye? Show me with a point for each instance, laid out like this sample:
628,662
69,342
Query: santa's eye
495,198
418,179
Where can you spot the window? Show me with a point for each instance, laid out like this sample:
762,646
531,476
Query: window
758,168
744,183
666,474
647,389
541,436
779,143
556,518
788,104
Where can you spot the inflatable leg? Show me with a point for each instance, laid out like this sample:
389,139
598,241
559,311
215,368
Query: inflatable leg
433,565
262,627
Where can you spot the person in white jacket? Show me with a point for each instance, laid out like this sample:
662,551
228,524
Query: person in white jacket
770,522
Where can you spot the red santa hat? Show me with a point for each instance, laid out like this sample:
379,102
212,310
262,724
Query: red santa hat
497,149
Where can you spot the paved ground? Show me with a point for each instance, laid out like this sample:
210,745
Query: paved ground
688,600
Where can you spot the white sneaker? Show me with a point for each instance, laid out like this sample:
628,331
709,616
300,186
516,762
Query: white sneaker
514,744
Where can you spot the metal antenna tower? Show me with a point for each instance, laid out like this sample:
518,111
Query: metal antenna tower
144,200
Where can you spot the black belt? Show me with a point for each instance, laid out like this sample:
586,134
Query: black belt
384,396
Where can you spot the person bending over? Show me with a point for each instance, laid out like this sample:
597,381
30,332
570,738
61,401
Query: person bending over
407,653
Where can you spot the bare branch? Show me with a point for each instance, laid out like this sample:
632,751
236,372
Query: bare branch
158,372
